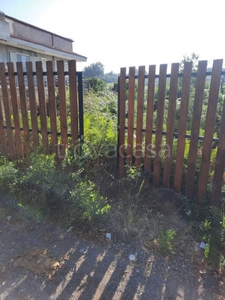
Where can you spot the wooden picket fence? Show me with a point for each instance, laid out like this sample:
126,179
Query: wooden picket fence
147,128
33,115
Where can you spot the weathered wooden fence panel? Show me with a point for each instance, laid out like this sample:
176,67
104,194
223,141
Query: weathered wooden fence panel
209,129
197,112
159,122
31,115
140,104
149,118
131,91
174,161
182,125
170,122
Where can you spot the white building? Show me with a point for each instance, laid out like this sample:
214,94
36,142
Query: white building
20,41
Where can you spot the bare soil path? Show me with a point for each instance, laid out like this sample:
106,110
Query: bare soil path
40,261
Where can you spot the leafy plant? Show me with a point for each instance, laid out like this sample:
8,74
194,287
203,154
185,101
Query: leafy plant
165,241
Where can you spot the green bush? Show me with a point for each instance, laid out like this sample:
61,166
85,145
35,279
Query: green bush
165,241
96,84
55,191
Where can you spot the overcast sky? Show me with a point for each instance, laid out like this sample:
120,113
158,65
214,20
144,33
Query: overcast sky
124,33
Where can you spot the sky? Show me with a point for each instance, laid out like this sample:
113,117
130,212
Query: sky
123,33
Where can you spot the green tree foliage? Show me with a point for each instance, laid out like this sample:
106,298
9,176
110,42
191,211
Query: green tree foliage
96,84
94,70
110,77
193,57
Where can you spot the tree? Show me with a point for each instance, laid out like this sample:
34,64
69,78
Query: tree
193,57
97,84
94,70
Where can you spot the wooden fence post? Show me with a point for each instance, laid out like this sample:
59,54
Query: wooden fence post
182,125
149,118
33,105
121,112
196,119
209,129
23,105
52,107
62,107
140,110
130,131
5,98
219,164
14,101
170,123
159,123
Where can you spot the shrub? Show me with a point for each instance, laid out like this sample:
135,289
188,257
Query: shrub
53,190
97,84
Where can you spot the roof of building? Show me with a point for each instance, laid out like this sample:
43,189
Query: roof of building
33,26
33,44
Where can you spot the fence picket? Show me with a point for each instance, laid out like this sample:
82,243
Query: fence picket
8,122
209,129
149,118
219,164
140,107
12,83
130,132
73,102
121,118
42,105
52,106
62,107
33,105
23,105
159,122
170,123
196,119
2,132
182,125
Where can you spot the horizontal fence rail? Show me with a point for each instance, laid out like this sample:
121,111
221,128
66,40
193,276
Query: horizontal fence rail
38,111
172,126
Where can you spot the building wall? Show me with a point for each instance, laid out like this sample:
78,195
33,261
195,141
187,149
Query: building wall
9,53
3,53
36,35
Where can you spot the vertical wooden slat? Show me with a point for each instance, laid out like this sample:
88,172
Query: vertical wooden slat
140,106
219,164
52,106
170,123
42,105
2,133
196,119
159,122
5,99
19,148
209,129
182,125
73,102
121,121
130,114
33,105
62,106
149,118
23,104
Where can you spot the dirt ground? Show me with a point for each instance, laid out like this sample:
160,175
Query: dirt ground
39,260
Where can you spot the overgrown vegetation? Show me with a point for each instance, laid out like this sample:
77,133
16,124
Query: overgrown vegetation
54,190
85,190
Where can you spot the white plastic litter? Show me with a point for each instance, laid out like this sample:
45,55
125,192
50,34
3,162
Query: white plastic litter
132,257
9,218
202,245
69,229
108,236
